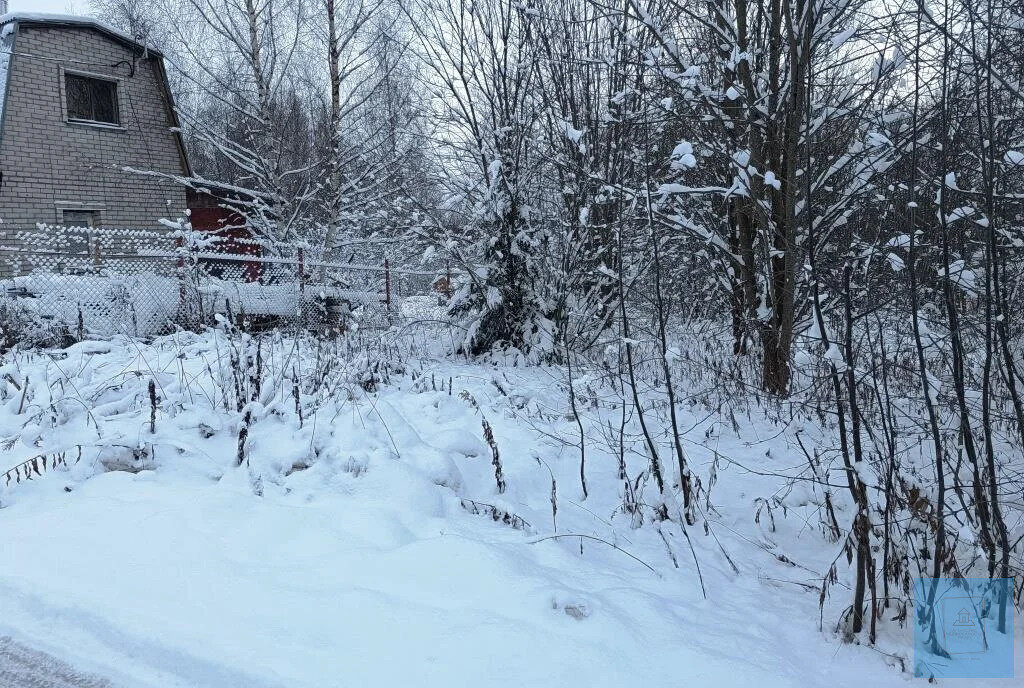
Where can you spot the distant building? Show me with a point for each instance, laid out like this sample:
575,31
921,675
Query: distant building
88,138
79,102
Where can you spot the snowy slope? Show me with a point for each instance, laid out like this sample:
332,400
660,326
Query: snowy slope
24,667
342,551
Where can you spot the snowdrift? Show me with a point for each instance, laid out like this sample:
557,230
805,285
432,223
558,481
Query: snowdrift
230,511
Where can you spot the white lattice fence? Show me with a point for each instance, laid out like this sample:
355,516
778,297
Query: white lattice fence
102,282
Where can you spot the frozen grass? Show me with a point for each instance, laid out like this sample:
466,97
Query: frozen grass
354,533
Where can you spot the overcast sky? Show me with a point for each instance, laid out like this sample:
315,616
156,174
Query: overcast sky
58,6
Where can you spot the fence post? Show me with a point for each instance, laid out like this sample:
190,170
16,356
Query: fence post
300,267
387,284
179,246
197,278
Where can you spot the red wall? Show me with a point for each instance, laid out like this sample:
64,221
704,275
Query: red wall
230,226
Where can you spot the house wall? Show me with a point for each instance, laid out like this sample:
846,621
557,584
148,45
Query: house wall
49,164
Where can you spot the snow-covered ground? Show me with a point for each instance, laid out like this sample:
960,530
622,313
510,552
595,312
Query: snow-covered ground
356,547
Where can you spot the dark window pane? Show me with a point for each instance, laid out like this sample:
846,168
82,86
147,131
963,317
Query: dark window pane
105,101
79,218
79,106
91,100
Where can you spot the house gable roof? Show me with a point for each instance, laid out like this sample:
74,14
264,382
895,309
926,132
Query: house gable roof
75,21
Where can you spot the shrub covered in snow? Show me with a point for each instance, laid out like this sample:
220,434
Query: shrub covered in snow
21,326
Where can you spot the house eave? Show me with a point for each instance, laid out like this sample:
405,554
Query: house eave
73,21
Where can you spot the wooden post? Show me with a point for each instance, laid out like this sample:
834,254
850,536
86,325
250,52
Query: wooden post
181,278
300,268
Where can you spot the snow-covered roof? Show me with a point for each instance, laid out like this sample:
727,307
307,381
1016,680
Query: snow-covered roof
74,20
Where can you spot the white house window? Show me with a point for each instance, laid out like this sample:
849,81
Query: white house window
91,100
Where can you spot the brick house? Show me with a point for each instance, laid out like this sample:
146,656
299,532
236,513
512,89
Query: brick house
79,102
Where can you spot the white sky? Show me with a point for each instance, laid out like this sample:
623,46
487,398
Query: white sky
57,6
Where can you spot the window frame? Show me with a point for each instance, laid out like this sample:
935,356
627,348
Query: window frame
92,249
93,212
118,104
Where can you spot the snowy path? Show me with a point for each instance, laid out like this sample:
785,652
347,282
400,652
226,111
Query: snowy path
178,581
23,667
186,584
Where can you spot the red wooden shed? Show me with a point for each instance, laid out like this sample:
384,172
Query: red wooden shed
215,210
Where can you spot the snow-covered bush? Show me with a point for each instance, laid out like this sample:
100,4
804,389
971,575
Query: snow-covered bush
20,326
